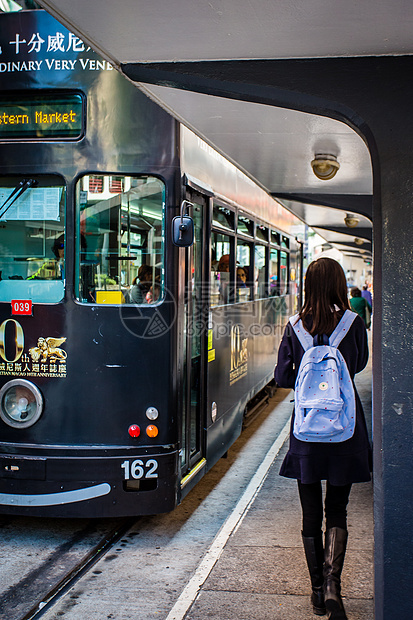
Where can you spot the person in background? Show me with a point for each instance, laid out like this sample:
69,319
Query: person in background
58,250
223,277
340,464
141,285
52,269
360,305
241,277
367,295
223,263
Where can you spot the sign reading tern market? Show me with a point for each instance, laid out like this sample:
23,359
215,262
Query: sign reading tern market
42,116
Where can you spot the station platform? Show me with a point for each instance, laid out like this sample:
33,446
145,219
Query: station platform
222,557
261,573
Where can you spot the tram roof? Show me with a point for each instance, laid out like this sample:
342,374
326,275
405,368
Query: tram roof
273,145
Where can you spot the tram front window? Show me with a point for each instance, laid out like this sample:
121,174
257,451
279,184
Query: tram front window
32,221
121,239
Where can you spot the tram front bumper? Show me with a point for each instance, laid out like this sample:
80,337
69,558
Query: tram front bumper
98,486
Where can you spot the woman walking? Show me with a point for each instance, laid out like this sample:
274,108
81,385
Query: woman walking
340,464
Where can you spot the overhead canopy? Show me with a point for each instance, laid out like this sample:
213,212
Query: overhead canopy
274,146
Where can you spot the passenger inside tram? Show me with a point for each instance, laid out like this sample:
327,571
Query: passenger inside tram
141,285
223,263
241,277
52,269
153,294
224,278
242,292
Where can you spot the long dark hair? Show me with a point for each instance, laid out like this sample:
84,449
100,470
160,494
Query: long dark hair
325,290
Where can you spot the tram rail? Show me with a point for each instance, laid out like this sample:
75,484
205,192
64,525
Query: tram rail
36,592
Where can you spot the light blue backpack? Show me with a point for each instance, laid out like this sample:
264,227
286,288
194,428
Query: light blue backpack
325,403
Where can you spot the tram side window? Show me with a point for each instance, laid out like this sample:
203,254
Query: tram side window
120,256
32,227
274,284
244,267
220,269
283,273
222,217
260,281
245,226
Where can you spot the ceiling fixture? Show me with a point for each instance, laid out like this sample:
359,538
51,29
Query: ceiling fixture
325,167
358,241
351,221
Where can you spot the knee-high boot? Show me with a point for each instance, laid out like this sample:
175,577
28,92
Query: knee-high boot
334,552
314,554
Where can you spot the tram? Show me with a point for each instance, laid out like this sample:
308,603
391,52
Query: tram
128,353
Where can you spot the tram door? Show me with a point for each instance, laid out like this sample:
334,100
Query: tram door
195,331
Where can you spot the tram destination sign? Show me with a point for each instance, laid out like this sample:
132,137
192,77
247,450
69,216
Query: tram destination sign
42,117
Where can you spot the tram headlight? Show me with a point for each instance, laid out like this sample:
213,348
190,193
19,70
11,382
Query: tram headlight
21,403
152,413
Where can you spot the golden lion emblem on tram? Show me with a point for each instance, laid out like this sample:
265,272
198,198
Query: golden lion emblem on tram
48,349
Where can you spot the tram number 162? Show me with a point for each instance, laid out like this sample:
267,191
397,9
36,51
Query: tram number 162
138,469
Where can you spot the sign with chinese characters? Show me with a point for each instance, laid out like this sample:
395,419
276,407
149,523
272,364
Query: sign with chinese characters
38,43
46,358
41,115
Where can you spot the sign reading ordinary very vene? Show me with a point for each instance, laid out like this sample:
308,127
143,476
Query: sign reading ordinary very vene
41,115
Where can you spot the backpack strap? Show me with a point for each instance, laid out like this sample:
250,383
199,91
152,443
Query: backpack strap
342,328
307,341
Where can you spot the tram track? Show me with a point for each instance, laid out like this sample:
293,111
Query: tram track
31,597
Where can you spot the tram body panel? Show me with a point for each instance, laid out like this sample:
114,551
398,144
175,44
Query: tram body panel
242,363
109,370
102,362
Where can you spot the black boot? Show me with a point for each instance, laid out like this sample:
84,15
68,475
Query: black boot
335,550
314,554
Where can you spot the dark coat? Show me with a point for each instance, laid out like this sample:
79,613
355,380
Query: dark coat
339,463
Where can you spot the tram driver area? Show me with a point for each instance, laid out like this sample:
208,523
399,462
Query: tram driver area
119,243
121,221
32,224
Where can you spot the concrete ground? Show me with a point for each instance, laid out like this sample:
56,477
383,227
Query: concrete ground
261,573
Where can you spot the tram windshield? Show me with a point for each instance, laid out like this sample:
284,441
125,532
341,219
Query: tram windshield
121,239
32,221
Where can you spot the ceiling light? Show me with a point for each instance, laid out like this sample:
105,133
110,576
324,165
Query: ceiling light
358,241
325,167
351,221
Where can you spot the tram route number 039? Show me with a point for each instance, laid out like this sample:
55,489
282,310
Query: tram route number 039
138,469
21,306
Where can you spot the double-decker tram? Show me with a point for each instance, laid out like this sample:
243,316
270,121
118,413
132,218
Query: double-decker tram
127,360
